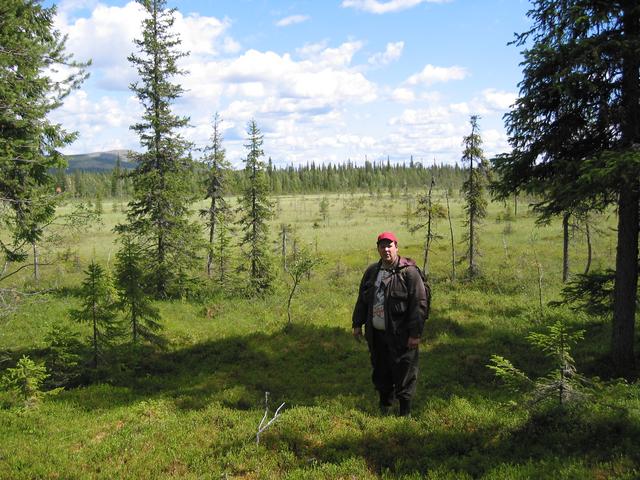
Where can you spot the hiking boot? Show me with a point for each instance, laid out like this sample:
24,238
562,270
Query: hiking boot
405,408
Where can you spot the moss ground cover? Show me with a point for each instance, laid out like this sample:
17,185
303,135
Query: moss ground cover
192,411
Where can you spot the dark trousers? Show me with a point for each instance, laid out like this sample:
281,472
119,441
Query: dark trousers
394,373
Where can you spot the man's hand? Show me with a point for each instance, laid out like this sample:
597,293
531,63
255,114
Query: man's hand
357,333
413,343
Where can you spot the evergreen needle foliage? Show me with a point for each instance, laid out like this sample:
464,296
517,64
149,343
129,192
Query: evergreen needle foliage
591,293
562,384
574,131
255,209
26,380
474,190
158,215
99,309
29,142
63,356
218,214
143,317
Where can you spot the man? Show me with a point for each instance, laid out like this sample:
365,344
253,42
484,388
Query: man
392,305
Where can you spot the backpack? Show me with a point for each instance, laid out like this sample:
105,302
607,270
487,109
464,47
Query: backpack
427,289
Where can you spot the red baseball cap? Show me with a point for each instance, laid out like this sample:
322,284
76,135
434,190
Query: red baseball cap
387,236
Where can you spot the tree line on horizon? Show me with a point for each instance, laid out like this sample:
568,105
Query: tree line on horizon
371,177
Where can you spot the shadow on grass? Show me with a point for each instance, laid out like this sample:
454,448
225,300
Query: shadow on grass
308,365
540,446
323,366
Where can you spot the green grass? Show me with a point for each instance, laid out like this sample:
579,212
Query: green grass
192,411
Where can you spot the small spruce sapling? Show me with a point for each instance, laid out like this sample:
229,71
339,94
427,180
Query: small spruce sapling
98,308
25,381
63,356
562,384
324,209
142,316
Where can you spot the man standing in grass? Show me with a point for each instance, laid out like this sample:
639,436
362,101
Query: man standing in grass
392,305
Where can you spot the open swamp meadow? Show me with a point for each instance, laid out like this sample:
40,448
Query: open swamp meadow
193,409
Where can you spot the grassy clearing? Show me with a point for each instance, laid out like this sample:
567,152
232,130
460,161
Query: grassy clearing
192,411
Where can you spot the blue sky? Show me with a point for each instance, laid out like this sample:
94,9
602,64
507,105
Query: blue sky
325,80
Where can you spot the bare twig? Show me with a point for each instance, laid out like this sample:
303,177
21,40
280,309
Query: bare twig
261,427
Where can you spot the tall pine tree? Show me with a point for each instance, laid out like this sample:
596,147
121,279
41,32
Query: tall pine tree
474,190
575,130
158,215
29,143
255,210
215,185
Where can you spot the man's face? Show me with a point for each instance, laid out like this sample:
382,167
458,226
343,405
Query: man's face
388,251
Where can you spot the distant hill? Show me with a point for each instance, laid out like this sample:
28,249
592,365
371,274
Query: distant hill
99,161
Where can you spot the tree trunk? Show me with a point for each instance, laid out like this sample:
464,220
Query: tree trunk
161,282
626,284
587,231
284,247
453,244
473,269
565,247
427,243
36,263
212,231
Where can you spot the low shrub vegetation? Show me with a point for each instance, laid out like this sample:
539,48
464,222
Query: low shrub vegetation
192,408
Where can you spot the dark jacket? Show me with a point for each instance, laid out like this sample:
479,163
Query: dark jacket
405,303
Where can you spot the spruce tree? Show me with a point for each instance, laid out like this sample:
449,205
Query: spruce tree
142,316
474,190
255,210
98,308
222,246
215,185
30,47
116,179
158,215
575,130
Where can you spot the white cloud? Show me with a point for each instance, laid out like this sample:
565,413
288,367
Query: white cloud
292,20
200,35
376,6
391,53
327,80
431,74
229,45
103,122
403,95
498,100
341,56
106,36
312,103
